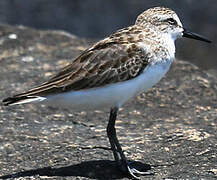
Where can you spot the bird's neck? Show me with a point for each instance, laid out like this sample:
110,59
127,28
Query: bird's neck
165,40
169,43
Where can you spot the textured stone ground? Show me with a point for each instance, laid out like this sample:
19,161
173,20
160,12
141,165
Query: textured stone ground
172,127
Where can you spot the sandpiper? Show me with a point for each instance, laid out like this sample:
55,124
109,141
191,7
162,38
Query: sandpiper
115,69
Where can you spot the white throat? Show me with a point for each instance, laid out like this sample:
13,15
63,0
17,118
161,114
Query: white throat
169,42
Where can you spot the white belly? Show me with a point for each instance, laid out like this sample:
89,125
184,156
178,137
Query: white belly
114,95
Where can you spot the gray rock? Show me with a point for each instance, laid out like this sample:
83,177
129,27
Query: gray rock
172,127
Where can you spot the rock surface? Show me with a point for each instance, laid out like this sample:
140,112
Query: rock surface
172,127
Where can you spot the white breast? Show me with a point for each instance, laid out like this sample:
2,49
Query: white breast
111,95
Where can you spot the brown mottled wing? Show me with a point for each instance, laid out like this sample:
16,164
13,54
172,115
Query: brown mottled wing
104,63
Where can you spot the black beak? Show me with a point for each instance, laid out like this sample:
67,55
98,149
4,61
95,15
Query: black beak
192,35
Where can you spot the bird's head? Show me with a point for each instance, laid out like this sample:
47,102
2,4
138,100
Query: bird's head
166,21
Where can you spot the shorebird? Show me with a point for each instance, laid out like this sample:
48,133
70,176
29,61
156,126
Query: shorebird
113,70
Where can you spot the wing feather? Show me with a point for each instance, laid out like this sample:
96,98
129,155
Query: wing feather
107,62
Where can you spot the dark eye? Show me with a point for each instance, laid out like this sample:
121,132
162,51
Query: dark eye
171,21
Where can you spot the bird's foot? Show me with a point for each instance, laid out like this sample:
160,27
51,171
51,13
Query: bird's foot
136,169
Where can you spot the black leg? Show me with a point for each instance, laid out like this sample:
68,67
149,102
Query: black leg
111,132
116,147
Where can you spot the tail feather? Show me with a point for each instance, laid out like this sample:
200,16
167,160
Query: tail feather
22,100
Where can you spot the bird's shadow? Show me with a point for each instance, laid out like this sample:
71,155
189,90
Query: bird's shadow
101,169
